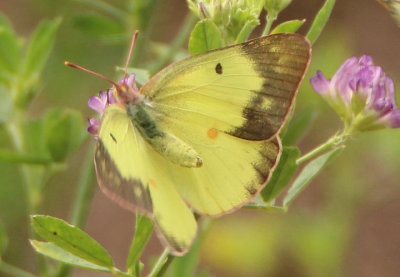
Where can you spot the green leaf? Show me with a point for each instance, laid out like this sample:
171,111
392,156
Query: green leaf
71,239
3,239
5,104
308,173
35,131
5,22
10,54
320,20
283,173
299,126
204,37
141,75
8,156
39,48
290,26
98,25
144,229
50,250
63,133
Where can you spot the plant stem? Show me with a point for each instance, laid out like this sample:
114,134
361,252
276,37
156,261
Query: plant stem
270,19
143,232
334,141
13,270
82,202
161,265
265,208
85,192
16,135
179,40
117,272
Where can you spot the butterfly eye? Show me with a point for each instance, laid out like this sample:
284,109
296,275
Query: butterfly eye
218,68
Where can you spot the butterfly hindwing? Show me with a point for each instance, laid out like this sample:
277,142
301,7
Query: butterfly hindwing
234,170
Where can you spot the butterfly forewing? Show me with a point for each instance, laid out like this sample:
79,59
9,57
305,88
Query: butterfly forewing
132,173
246,89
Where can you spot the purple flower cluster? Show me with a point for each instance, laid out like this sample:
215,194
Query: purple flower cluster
361,94
101,102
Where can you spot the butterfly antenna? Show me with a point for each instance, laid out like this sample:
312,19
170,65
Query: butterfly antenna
383,4
130,51
92,72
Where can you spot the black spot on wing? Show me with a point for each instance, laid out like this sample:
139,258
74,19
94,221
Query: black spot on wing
113,138
218,68
129,193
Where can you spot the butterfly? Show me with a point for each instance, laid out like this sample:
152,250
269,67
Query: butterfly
201,135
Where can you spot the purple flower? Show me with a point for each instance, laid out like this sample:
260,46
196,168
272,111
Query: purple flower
101,102
361,94
94,127
98,103
129,81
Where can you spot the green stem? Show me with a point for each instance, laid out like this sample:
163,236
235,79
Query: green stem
180,39
13,270
85,192
161,265
265,207
334,141
82,202
270,19
143,232
16,136
117,272
15,133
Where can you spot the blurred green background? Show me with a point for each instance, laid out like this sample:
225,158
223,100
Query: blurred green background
346,223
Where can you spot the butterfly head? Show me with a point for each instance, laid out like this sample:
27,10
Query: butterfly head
127,92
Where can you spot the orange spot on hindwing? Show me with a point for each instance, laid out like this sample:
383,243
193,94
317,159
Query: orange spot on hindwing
153,183
212,133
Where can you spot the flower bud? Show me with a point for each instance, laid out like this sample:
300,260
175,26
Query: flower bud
275,6
229,15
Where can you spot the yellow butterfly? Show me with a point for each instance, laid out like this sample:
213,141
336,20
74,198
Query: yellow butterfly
201,135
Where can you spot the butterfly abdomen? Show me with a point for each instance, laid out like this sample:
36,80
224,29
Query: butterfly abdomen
169,146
